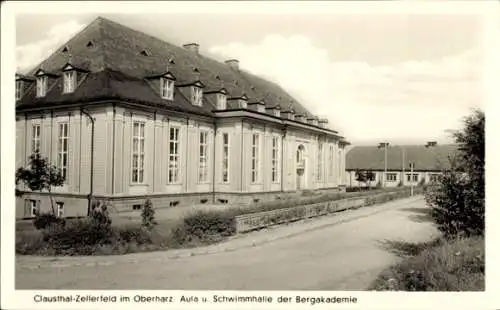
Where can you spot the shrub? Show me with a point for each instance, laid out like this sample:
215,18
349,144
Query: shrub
133,234
308,192
99,215
148,215
44,220
79,237
456,265
458,199
205,226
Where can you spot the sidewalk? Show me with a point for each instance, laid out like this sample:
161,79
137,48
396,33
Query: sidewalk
234,243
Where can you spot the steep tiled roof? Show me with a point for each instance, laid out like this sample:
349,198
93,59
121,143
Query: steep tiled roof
433,158
106,85
114,55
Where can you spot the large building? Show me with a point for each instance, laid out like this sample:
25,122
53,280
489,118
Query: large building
391,164
125,116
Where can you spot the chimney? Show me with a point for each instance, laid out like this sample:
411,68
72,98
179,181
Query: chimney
431,143
233,63
193,47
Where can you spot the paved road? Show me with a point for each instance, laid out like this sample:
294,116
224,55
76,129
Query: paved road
340,252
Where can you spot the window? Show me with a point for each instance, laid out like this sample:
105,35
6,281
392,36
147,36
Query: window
255,158
33,208
35,137
390,177
225,158
300,157
320,162
69,78
221,101
19,89
167,88
136,207
275,159
138,139
203,162
41,86
242,104
173,156
409,177
60,208
197,94
433,178
62,149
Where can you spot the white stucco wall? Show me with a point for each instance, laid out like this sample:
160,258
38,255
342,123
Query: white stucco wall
379,177
113,145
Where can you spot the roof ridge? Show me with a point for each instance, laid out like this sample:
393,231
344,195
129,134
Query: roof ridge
240,72
117,48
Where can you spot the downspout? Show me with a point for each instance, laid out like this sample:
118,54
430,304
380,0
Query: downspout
113,156
26,138
213,161
187,152
283,136
154,151
91,193
241,156
51,134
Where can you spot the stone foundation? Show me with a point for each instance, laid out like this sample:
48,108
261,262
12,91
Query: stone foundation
76,205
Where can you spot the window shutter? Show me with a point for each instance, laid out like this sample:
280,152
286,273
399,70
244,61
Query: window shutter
38,203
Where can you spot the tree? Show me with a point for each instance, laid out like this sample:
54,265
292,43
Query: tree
370,176
40,175
148,215
458,199
360,177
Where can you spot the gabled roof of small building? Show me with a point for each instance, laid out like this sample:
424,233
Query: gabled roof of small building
426,158
119,59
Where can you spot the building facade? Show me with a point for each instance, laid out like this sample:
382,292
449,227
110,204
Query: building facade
391,164
126,116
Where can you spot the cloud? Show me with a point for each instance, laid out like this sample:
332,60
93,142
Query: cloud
29,55
411,100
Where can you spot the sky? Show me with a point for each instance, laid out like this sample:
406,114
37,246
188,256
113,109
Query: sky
401,78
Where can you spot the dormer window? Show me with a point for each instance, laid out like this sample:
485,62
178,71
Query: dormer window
242,102
167,88
69,78
196,96
19,89
41,86
221,101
